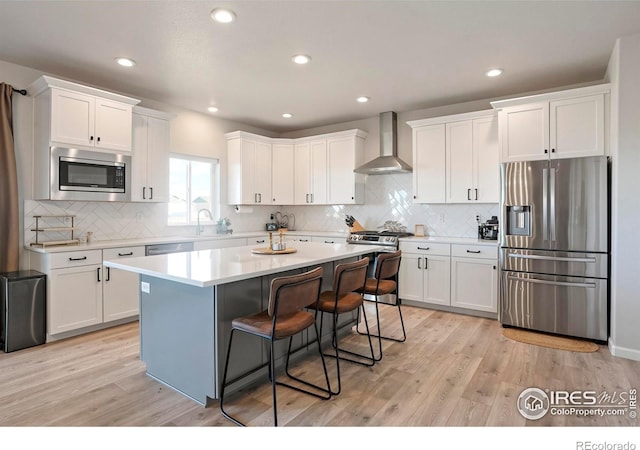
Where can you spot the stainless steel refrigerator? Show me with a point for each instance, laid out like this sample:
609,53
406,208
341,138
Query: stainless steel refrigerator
554,239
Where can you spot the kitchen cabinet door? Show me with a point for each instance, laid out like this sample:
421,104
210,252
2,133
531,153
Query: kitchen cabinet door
343,156
429,164
524,132
302,167
311,172
425,279
319,169
75,298
150,157
219,243
474,284
120,288
249,171
283,174
112,125
437,276
85,120
72,118
411,278
460,162
486,159
577,127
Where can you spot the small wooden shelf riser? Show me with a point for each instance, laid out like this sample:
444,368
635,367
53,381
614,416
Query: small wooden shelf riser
50,229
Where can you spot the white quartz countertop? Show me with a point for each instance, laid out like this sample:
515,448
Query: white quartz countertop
205,268
98,245
451,240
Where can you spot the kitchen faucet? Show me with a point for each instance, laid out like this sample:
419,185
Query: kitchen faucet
200,229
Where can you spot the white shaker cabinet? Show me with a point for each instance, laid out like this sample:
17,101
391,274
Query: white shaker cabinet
425,272
344,154
310,160
564,124
474,277
282,173
150,157
456,159
249,169
70,114
120,291
74,289
429,156
473,163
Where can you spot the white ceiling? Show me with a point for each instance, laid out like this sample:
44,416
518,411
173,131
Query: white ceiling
404,55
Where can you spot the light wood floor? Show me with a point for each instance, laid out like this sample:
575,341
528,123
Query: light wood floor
454,370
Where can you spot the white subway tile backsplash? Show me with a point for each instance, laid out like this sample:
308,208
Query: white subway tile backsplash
388,197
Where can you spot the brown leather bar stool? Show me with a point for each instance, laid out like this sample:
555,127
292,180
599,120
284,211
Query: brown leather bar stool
348,279
385,282
285,317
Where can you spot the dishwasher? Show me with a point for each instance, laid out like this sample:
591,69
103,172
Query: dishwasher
169,247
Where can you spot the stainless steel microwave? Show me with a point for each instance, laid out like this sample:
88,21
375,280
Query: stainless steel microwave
88,175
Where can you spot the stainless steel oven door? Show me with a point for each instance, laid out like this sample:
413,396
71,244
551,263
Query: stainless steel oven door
571,306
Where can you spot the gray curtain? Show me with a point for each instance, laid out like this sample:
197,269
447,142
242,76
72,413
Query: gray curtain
9,219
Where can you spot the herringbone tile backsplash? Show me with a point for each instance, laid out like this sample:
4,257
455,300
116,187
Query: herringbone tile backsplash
388,197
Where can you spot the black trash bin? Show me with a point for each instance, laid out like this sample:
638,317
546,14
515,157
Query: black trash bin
22,309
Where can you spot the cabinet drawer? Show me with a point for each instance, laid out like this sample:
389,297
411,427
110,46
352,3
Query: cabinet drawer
122,252
74,259
426,248
474,251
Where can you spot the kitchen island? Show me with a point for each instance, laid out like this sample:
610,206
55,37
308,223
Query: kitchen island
188,300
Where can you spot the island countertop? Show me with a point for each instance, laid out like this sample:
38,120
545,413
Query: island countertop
205,268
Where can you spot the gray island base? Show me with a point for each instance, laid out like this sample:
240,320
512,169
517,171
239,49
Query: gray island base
188,300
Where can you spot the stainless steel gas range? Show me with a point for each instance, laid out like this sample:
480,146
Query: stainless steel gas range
387,240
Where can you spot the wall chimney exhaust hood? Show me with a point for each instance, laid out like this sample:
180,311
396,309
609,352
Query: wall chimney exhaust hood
388,161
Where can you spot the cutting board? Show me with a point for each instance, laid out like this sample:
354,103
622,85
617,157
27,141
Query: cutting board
268,251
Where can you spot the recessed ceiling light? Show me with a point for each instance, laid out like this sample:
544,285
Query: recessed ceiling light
494,72
301,59
362,99
125,62
212,109
287,115
222,15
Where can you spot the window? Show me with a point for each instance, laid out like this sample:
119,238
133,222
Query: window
192,187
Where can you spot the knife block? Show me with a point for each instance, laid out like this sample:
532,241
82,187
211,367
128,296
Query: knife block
356,227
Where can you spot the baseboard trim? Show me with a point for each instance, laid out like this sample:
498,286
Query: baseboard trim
623,352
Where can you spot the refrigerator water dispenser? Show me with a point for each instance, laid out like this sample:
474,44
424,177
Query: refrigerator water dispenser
519,220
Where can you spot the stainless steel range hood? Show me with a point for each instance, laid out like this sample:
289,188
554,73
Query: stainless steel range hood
388,161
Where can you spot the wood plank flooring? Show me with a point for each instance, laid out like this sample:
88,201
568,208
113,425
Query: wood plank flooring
453,370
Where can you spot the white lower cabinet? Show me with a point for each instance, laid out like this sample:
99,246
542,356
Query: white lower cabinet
424,273
120,293
474,277
74,298
81,292
452,275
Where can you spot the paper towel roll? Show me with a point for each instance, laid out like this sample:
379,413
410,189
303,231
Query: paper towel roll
240,209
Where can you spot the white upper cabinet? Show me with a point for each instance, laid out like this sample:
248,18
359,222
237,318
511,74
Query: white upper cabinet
455,159
429,168
314,170
249,169
282,174
310,162
150,157
344,154
564,124
69,114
